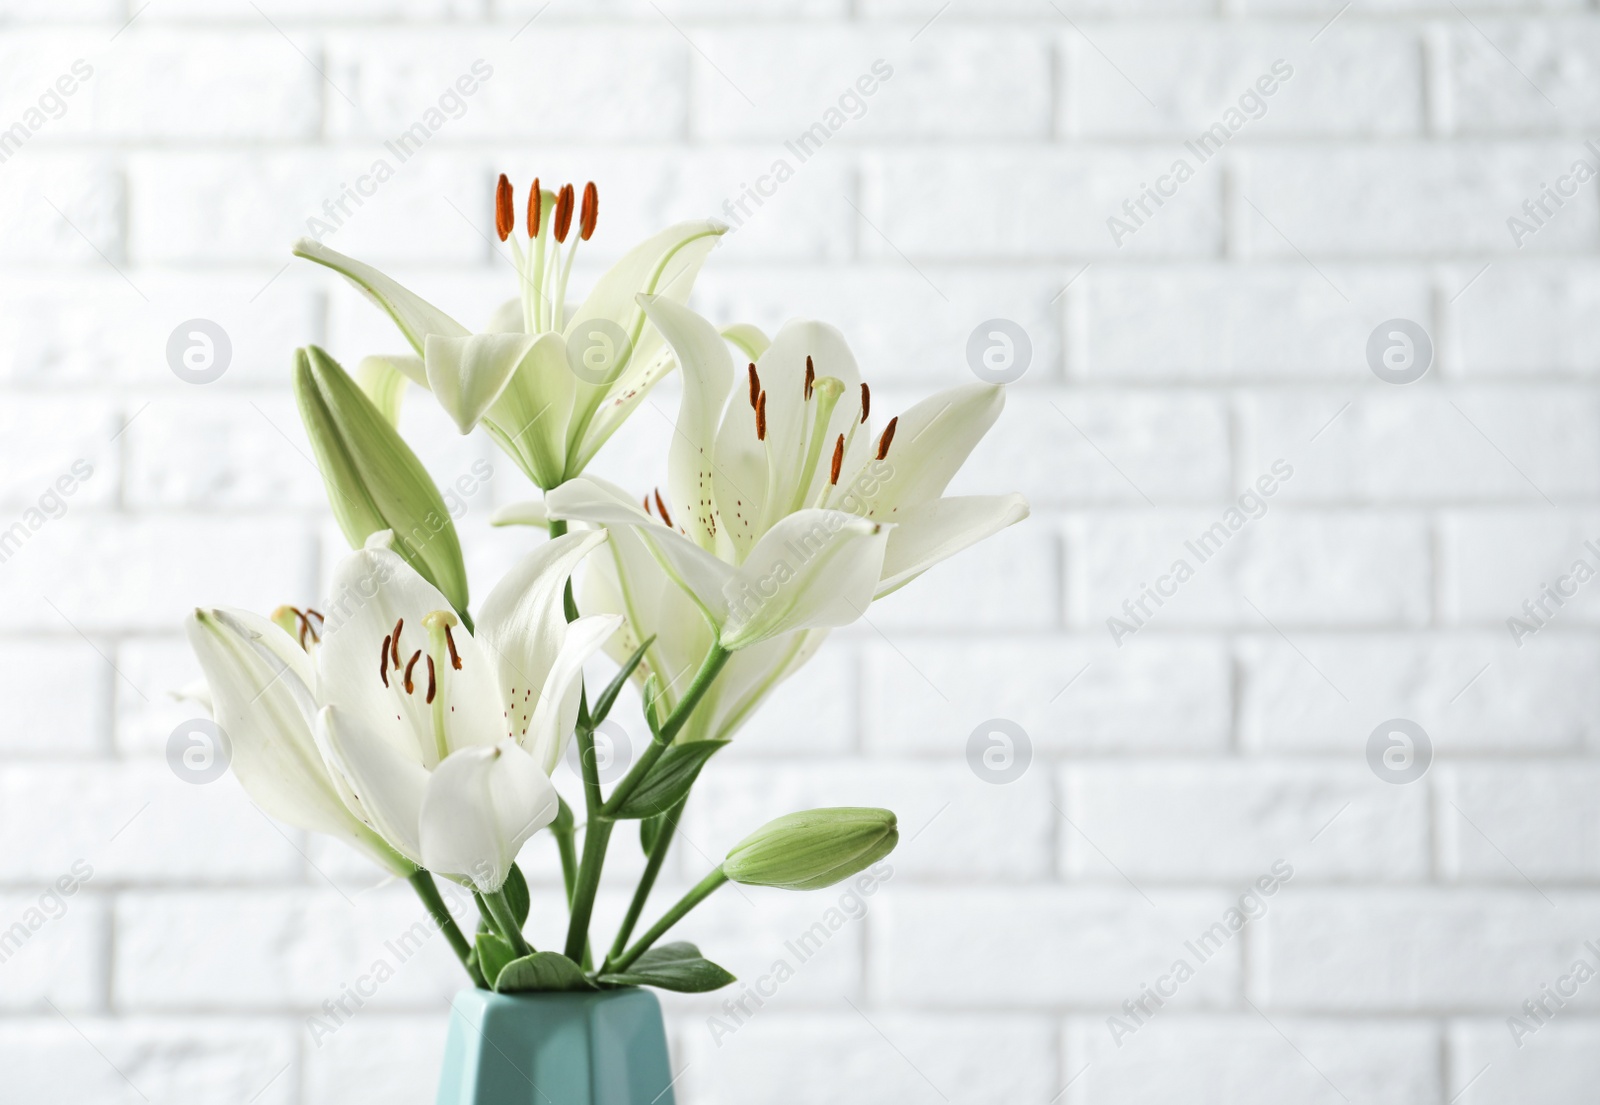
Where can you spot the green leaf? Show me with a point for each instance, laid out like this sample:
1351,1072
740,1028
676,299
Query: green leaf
493,953
542,972
608,697
650,830
516,892
678,967
671,778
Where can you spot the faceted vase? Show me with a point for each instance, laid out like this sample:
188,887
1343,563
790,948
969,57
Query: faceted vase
606,1048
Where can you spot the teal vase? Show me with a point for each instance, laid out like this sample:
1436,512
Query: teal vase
606,1048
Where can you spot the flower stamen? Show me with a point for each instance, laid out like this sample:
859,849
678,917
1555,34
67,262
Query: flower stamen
755,386
563,220
450,644
888,436
838,462
811,375
505,220
761,417
395,654
662,507
432,684
866,401
591,211
411,663
383,662
535,202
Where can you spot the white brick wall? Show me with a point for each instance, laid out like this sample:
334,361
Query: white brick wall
1169,772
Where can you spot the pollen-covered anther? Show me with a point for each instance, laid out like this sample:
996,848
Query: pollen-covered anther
811,375
383,662
866,402
535,205
755,386
433,685
591,211
450,644
394,645
505,219
838,461
563,218
411,663
761,417
888,436
661,506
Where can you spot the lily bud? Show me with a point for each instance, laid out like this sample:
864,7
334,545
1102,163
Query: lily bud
374,481
813,848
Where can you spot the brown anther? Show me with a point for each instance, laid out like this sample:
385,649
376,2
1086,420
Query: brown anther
383,662
591,211
888,436
838,461
411,663
866,402
535,205
761,417
646,501
504,218
811,375
395,646
303,623
563,219
662,507
450,643
433,685
755,386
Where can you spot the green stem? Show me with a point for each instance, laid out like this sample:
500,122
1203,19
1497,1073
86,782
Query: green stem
702,890
506,921
569,862
596,836
422,882
647,882
709,668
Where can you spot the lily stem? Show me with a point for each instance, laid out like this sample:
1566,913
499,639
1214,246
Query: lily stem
709,669
597,832
422,882
506,921
647,882
702,890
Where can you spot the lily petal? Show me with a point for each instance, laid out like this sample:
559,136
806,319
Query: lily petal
389,785
467,374
707,370
750,339
416,317
529,418
556,714
529,513
814,569
481,805
938,530
931,443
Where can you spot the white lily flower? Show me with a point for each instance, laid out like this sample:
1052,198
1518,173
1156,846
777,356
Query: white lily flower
258,681
551,391
792,514
444,741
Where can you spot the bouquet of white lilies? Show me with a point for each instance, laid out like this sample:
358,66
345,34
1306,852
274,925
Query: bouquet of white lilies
424,731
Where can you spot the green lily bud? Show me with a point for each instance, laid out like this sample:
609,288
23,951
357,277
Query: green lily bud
813,848
374,481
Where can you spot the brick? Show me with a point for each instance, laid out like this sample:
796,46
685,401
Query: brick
59,693
984,83
1525,318
1424,950
161,83
1508,83
1554,1062
1430,446
1067,693
1358,79
570,91
1351,200
901,332
1284,566
279,949
63,207
58,955
1230,822
1040,205
162,567
393,1058
137,822
1245,1058
1486,833
1010,580
1498,560
212,1061
953,824
1468,690
773,1058
166,667
1274,320
1120,941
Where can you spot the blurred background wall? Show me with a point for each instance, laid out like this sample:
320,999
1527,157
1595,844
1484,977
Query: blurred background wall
1373,290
